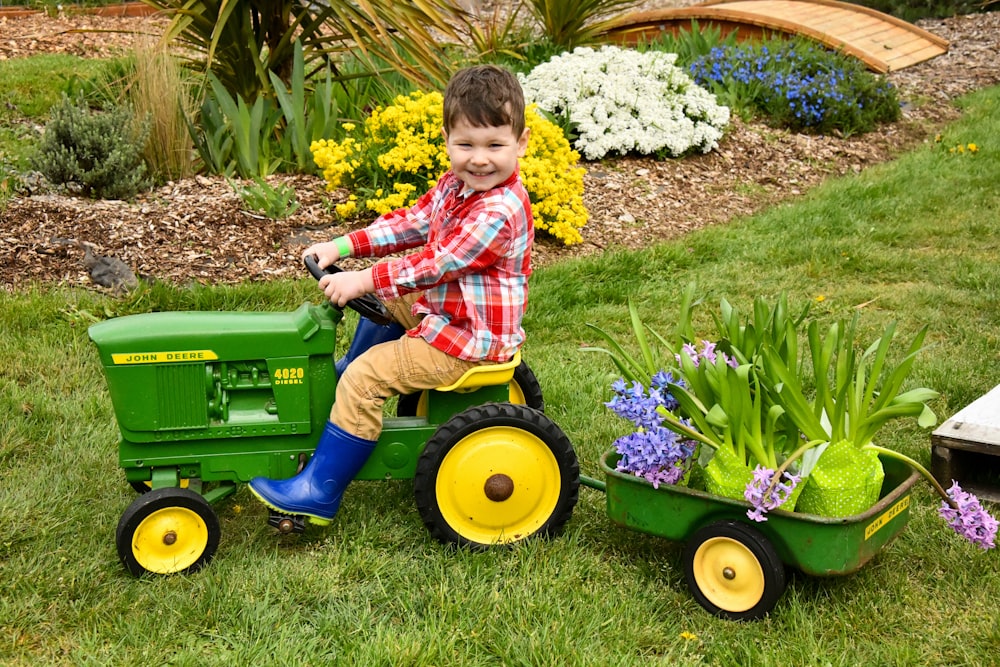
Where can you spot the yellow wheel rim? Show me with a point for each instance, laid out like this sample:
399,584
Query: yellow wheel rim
498,485
728,574
516,395
169,540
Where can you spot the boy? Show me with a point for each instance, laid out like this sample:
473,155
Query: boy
460,295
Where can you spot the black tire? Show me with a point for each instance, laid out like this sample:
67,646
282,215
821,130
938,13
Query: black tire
166,531
524,390
496,474
733,571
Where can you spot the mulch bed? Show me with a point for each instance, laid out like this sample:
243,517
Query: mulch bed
196,229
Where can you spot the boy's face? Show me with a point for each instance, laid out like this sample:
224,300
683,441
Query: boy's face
484,157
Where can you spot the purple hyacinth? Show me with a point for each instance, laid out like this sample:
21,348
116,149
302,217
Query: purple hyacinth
659,456
652,451
708,351
968,518
755,492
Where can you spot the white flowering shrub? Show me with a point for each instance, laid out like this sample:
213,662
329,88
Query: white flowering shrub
625,101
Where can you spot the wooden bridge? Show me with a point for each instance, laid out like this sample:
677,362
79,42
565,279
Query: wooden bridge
884,43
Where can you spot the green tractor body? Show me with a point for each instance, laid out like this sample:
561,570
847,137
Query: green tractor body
210,400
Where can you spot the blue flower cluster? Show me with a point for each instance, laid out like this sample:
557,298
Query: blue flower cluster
798,85
652,451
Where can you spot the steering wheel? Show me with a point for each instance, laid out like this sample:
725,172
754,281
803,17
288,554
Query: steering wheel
367,306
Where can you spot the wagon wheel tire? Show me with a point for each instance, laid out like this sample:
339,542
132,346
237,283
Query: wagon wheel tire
166,531
496,473
733,571
524,390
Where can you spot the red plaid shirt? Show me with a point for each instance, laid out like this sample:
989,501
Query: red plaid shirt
473,265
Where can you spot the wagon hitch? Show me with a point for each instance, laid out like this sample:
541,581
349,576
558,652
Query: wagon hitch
286,523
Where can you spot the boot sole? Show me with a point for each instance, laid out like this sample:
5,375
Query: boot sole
313,519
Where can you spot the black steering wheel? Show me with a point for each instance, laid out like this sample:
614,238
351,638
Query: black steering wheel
367,306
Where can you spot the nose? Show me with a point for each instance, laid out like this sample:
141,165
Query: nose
479,157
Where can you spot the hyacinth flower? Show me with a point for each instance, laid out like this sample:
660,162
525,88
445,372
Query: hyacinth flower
767,492
960,509
707,352
966,516
653,452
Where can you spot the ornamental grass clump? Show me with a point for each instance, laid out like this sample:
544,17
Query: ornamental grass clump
798,85
615,101
398,153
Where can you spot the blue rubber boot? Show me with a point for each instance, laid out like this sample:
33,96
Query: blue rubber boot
365,336
316,491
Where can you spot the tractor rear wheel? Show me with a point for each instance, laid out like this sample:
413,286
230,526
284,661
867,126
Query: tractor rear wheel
495,474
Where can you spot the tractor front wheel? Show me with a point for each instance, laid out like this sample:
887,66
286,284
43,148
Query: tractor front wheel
167,530
495,474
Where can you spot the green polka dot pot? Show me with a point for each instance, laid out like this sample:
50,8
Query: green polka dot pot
846,481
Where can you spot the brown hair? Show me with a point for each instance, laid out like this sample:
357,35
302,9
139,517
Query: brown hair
484,95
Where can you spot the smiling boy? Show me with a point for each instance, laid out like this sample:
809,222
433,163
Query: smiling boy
458,297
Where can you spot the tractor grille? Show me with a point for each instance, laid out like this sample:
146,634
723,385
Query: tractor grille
180,390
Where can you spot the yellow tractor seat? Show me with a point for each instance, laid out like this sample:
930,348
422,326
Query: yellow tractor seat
485,375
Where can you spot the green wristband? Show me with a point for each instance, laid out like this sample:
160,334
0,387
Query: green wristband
343,246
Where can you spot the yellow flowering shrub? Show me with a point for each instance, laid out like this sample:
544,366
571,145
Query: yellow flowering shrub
554,182
399,154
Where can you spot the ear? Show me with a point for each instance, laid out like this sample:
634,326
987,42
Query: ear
444,134
522,142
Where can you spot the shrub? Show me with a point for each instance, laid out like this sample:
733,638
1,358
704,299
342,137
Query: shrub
99,152
799,85
620,101
398,153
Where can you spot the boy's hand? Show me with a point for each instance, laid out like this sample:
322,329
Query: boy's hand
346,285
326,253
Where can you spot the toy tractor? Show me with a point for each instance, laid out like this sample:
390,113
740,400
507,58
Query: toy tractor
206,401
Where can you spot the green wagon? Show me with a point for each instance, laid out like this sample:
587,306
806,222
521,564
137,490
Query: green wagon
735,568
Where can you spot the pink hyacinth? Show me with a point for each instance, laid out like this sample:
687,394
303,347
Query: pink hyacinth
968,518
763,501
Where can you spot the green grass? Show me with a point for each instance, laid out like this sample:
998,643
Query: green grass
912,241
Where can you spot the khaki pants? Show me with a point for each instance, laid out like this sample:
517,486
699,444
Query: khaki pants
404,366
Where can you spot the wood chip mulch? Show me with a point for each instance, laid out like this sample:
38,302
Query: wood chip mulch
196,230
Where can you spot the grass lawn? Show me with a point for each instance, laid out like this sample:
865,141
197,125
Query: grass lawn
913,241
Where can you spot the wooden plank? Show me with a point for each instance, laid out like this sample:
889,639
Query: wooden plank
898,62
842,23
881,33
800,11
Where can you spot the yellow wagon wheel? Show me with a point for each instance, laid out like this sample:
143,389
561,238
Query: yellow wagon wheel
733,571
167,530
495,474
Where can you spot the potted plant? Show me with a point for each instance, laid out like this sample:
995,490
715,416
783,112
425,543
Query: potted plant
762,423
